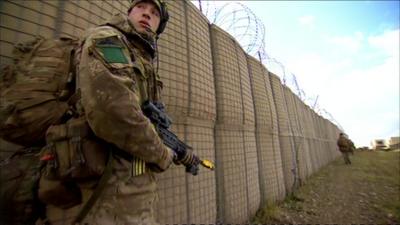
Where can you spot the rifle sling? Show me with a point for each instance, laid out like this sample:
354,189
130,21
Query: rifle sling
96,193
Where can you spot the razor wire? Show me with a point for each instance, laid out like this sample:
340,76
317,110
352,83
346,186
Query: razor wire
249,31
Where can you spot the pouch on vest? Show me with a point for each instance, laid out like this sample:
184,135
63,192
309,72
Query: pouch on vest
63,194
72,154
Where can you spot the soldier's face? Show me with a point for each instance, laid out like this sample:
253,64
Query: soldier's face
145,17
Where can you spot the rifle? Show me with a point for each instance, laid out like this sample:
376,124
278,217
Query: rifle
156,113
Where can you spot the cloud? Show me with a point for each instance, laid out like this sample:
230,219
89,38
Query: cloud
375,93
352,43
388,42
307,20
311,70
366,100
364,96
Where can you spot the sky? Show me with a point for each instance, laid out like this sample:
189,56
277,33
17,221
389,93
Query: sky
344,54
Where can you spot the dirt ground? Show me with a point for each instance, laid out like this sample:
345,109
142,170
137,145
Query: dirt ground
365,192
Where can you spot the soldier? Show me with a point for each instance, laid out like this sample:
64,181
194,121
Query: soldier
115,76
344,147
352,146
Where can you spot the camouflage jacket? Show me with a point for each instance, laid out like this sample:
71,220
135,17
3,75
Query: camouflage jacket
343,144
115,76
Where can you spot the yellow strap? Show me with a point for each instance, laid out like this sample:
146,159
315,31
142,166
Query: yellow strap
139,166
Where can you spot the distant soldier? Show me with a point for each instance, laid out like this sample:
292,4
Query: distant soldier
344,147
352,146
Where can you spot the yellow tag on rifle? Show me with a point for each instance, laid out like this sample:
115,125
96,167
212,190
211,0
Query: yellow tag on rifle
207,164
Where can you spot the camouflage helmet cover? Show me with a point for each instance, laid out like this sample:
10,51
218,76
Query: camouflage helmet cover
162,8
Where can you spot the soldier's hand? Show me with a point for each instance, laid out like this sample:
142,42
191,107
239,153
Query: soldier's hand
165,163
189,159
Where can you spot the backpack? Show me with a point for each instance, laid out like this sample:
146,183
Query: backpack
19,176
37,90
343,144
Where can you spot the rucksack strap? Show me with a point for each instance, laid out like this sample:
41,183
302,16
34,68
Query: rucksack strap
30,47
97,192
72,106
19,152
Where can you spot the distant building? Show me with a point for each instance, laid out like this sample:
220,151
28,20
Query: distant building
379,144
394,142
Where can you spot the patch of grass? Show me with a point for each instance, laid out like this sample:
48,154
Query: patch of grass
268,213
381,170
380,167
397,210
373,180
393,208
291,202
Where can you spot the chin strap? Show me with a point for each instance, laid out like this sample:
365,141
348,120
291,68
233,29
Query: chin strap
157,55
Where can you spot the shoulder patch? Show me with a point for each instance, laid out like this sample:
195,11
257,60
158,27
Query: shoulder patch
112,49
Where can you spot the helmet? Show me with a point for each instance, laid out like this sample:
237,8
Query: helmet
162,7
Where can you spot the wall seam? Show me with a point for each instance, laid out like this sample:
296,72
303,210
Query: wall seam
60,16
272,130
40,18
243,129
258,145
185,9
188,217
189,108
218,181
301,133
278,129
292,141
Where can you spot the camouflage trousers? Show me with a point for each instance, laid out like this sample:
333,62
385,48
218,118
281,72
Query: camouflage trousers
126,200
346,157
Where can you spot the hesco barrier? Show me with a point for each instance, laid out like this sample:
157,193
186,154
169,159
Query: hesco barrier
286,141
234,131
174,63
310,137
202,88
305,165
183,197
295,134
224,103
186,64
189,93
268,146
227,78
